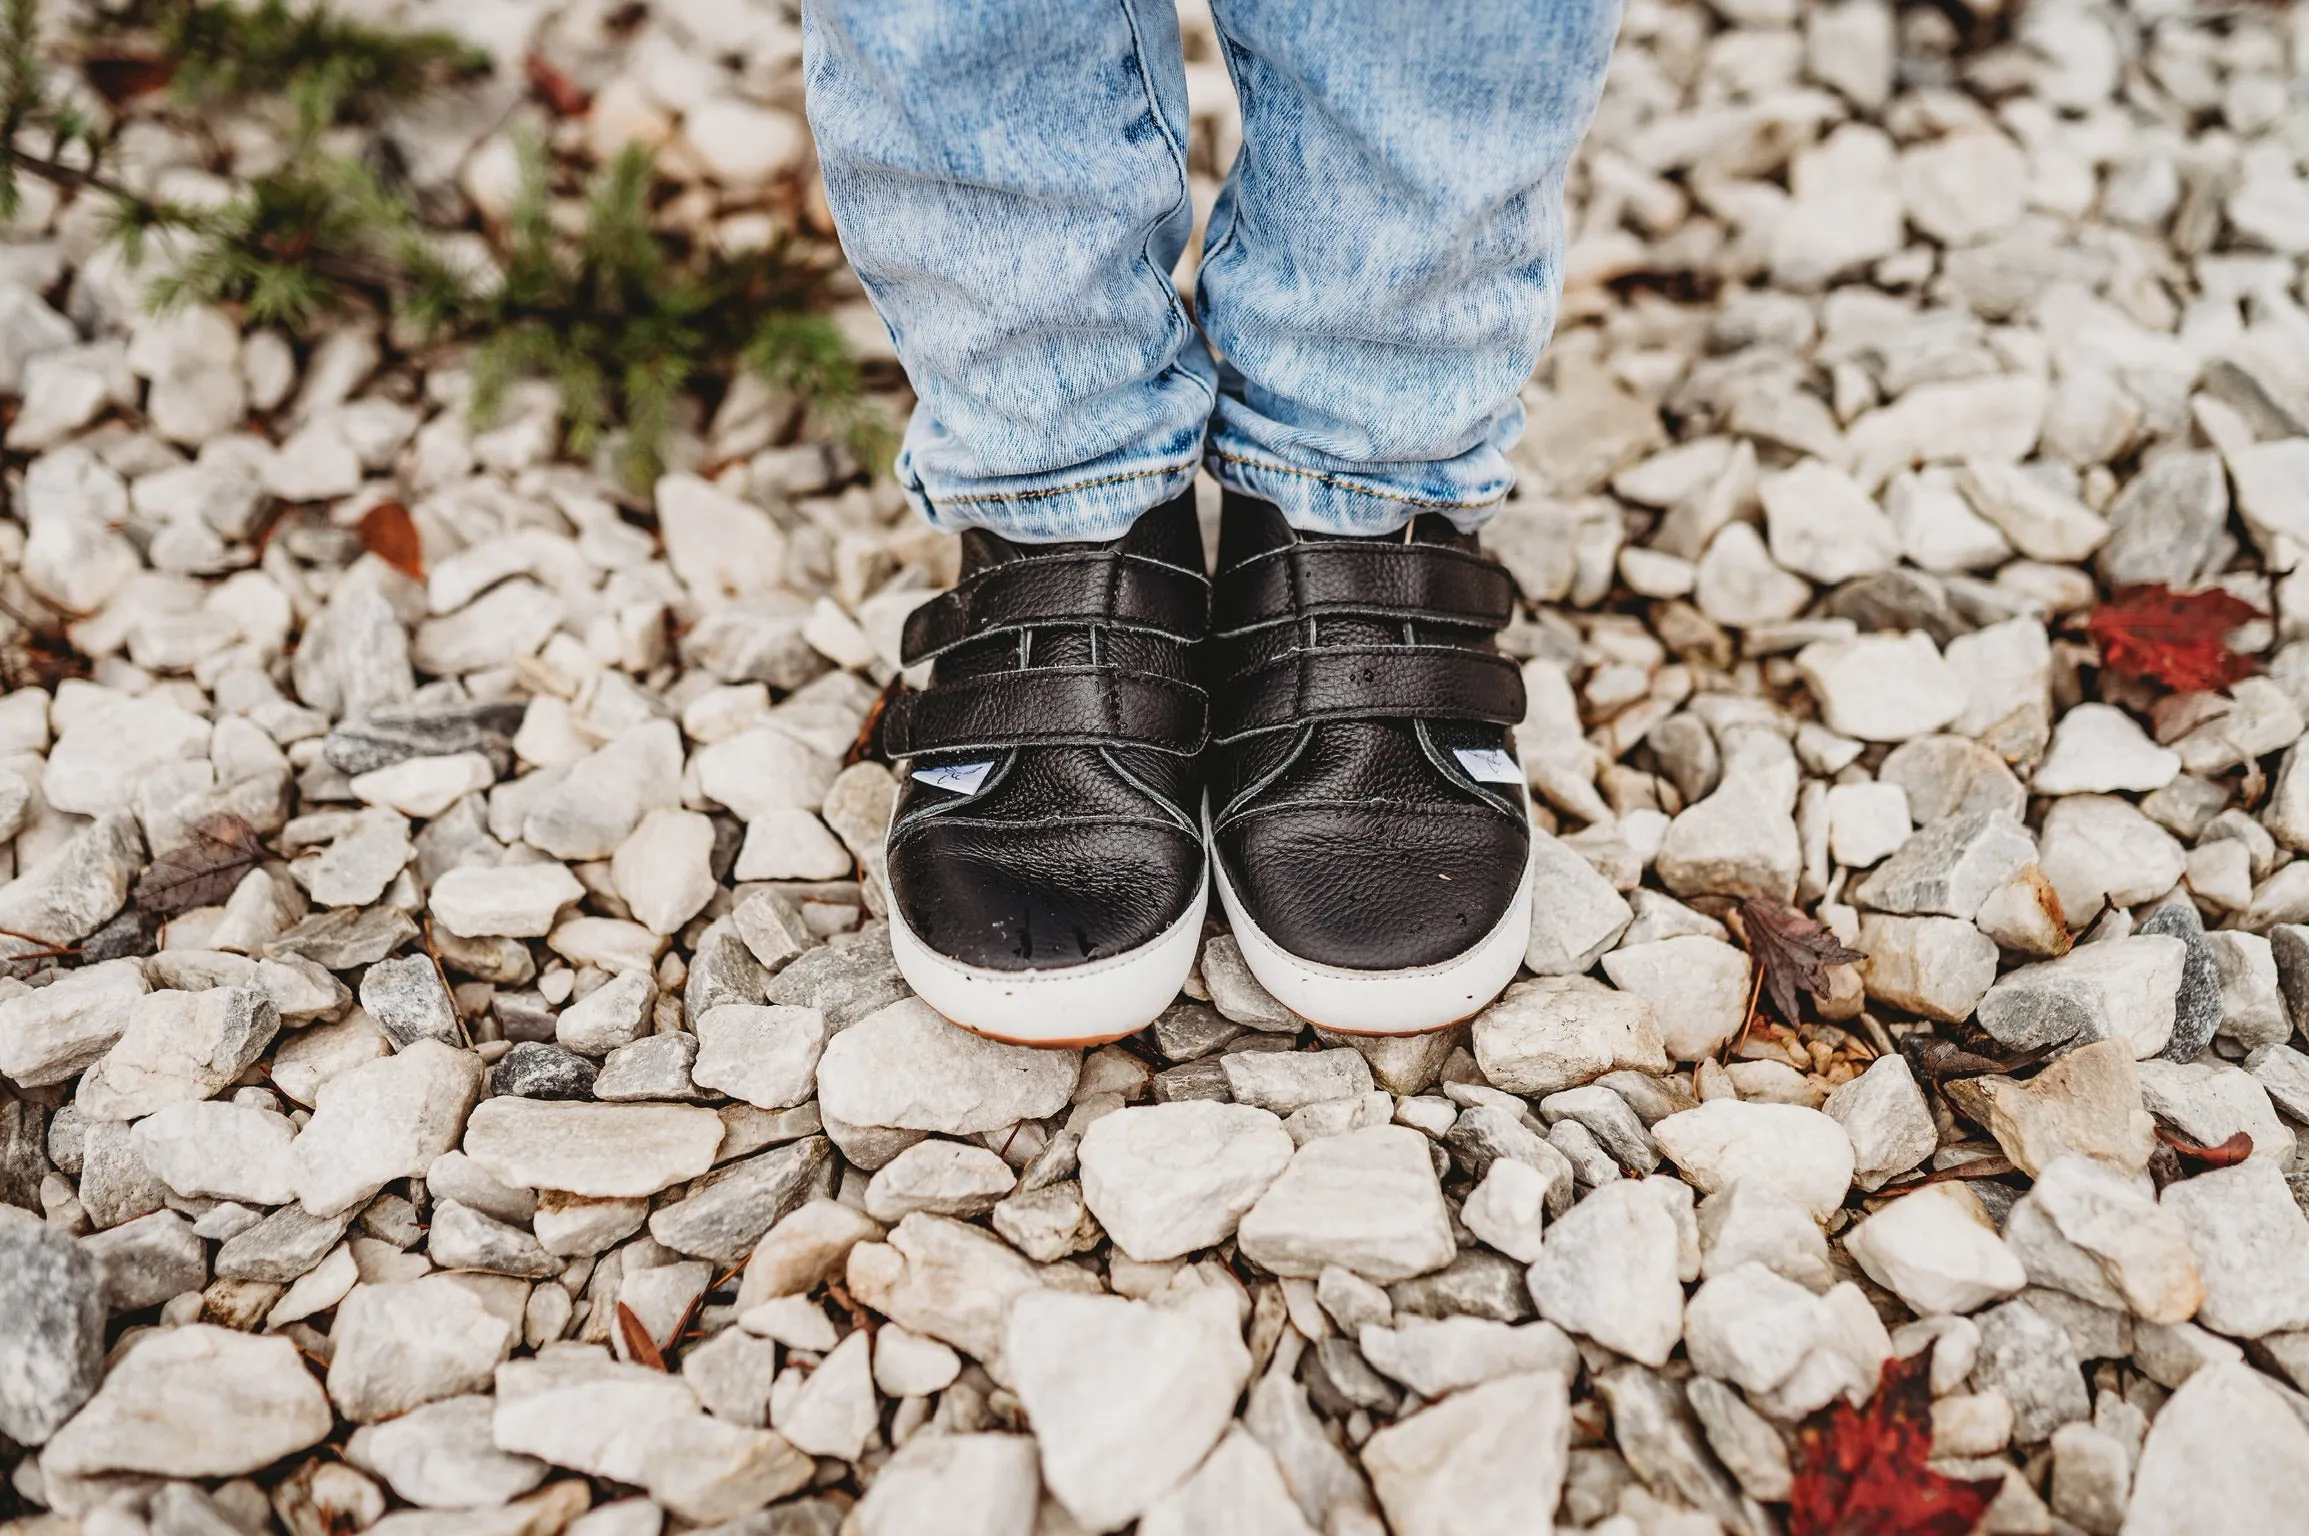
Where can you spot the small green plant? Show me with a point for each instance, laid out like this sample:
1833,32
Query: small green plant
326,68
618,315
621,319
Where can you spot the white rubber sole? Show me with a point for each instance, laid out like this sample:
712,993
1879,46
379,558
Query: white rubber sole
1413,1002
1076,1005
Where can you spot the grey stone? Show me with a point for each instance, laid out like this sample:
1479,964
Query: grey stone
1949,867
2123,989
2030,1360
1654,1428
653,1067
726,1213
408,1001
1606,1116
464,1238
2167,524
2197,1006
434,729
535,1070
115,1183
845,982
51,1327
148,1260
1474,1284
1884,1113
1744,1440
283,1246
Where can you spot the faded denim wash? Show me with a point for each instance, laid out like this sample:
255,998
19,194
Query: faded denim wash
1380,274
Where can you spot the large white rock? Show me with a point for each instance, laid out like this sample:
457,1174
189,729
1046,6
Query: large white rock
219,1151
2252,1246
1480,1461
1882,687
196,1401
54,1033
1575,913
1167,1179
1609,1270
1125,1397
106,751
767,1056
905,1068
411,1342
1937,1250
1367,1201
959,1485
1697,986
441,1456
1237,1491
382,1121
178,1046
2225,1455
2088,1230
1551,1034
514,901
589,1414
1786,1148
598,1150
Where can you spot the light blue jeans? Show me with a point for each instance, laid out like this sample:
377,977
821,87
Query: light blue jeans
1382,270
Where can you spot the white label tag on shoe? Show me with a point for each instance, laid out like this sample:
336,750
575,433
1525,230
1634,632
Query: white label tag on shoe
1489,765
958,778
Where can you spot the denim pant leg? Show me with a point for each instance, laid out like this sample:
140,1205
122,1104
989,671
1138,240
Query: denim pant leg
1384,263
1009,180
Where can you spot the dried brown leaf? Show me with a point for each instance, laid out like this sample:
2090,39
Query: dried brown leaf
2225,1154
1792,952
205,871
388,532
638,1343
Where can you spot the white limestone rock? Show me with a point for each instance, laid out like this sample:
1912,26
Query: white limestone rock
1125,1397
196,1401
1167,1179
905,1068
1367,1201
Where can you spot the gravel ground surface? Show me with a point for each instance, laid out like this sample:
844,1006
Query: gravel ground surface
538,1137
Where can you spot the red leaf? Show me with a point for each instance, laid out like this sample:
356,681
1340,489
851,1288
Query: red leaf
1862,1472
1792,951
638,1343
560,92
2179,639
387,532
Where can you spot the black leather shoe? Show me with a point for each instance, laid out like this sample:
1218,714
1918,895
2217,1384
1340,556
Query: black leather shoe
1047,873
1369,821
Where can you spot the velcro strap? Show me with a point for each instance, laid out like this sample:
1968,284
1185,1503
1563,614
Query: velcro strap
1090,588
1407,581
1384,682
1047,707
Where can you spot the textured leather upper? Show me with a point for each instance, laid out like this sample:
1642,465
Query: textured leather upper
1347,675
1067,671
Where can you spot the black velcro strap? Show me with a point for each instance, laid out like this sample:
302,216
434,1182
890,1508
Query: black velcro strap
1090,588
1405,581
1388,682
1047,707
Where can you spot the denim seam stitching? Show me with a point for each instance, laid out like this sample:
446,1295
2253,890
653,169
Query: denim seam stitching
1060,490
1350,485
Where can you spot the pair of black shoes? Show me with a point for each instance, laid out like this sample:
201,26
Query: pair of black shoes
1326,725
